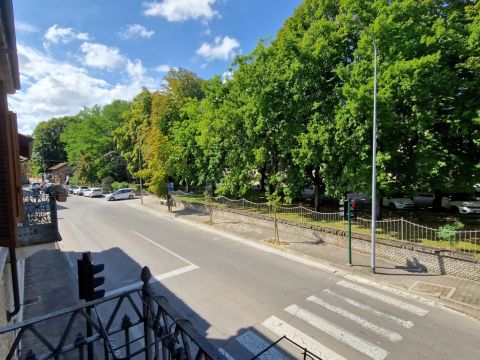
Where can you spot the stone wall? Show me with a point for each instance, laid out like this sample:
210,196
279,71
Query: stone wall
5,302
422,258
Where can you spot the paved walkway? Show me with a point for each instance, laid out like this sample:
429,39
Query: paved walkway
460,294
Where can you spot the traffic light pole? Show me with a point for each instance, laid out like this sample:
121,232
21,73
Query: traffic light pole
89,333
349,234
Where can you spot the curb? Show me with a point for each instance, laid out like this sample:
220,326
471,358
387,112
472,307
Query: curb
332,268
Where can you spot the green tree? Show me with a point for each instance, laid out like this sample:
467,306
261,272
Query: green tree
48,147
89,139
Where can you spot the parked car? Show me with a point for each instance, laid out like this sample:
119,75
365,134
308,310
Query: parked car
399,201
71,188
93,192
35,186
462,203
121,194
423,200
79,190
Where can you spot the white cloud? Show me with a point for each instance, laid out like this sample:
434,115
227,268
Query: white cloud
102,56
135,69
181,10
24,27
164,68
136,30
221,49
52,88
227,75
56,34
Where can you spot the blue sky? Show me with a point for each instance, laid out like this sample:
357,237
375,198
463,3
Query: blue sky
76,53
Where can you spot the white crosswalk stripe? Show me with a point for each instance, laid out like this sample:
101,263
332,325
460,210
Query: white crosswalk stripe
338,333
405,323
390,335
387,299
390,289
255,344
281,328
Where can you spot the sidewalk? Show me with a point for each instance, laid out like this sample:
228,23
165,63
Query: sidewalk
456,293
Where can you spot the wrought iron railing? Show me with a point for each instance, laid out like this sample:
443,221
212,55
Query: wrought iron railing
39,224
38,208
305,354
140,324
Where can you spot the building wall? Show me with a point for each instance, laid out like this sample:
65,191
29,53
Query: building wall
5,302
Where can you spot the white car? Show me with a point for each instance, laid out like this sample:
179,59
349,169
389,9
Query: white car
399,202
79,190
121,194
93,192
461,203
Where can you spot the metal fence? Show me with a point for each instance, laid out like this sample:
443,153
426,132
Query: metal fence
160,333
467,241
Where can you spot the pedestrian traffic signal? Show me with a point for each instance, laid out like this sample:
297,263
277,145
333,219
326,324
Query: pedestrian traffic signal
87,282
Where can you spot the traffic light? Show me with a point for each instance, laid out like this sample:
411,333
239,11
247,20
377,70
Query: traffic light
353,210
87,282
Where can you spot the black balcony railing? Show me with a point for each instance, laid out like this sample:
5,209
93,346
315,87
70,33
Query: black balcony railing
132,324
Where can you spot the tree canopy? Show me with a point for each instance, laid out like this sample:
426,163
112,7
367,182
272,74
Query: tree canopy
298,109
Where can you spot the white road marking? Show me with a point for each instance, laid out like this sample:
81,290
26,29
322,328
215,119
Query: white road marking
390,335
225,354
391,289
299,258
364,346
281,328
162,247
255,344
387,299
157,277
405,323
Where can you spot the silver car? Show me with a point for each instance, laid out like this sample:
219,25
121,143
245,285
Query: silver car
121,194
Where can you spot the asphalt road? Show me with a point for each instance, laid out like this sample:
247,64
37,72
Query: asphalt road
242,297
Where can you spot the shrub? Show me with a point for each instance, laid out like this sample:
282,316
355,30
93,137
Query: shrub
448,231
107,183
119,185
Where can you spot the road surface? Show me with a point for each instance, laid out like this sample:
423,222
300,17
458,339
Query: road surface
242,296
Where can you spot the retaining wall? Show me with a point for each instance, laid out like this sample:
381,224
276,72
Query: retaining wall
419,257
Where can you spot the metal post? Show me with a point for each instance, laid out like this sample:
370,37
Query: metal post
374,159
401,228
139,169
89,334
349,234
147,306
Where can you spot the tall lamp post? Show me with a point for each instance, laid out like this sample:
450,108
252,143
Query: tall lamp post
374,149
139,169
374,157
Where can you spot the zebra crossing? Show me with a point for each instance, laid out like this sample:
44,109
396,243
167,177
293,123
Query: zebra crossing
323,323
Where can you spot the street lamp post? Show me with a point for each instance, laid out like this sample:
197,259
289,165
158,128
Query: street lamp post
139,169
374,149
374,159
